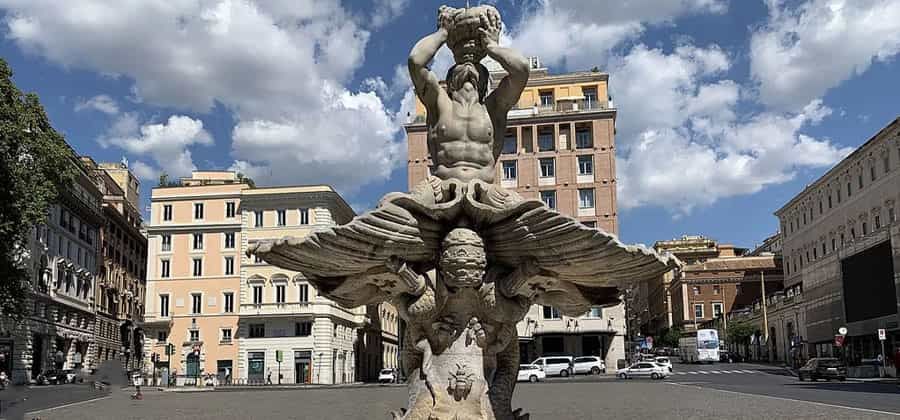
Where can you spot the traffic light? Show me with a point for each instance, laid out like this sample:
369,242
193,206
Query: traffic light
170,349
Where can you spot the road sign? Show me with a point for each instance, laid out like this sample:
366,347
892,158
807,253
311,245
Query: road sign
279,356
839,341
881,334
842,331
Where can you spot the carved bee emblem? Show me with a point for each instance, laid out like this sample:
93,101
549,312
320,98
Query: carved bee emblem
461,382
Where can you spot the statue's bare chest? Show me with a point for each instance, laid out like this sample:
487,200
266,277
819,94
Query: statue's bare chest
465,122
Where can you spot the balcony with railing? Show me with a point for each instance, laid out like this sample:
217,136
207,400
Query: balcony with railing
561,106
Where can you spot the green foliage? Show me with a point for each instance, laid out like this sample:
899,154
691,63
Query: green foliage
245,179
669,337
740,332
35,164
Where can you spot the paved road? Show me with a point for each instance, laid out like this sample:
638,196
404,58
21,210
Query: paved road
15,401
776,382
692,396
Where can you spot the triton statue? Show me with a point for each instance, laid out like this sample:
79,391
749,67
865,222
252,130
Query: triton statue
460,257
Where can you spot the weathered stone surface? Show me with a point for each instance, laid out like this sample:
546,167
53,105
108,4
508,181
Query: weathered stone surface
461,258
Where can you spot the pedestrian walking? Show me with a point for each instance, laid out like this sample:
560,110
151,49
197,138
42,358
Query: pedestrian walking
269,377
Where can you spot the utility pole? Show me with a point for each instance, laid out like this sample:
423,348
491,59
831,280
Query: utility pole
762,281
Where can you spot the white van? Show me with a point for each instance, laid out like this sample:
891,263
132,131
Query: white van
555,365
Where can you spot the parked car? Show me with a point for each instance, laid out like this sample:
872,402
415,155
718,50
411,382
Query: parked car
823,368
50,377
555,365
730,357
589,364
664,362
643,369
531,373
70,376
387,376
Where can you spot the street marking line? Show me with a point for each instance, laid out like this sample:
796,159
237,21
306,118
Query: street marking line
69,405
715,371
702,372
865,410
692,373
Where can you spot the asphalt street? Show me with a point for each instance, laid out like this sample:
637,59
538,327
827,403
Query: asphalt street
735,391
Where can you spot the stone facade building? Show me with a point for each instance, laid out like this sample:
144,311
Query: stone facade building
841,241
63,258
227,314
122,281
559,147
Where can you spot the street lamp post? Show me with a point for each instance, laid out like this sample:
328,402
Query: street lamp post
762,281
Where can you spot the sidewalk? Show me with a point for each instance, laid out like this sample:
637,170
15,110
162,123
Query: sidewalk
276,387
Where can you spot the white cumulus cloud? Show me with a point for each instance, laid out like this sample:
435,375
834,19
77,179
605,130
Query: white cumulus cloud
803,51
102,103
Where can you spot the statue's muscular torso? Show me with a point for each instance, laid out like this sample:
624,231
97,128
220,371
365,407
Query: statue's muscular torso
461,140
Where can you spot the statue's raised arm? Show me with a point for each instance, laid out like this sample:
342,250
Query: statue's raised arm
426,83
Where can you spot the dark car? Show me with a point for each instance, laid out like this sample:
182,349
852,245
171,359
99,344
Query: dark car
823,368
51,376
729,357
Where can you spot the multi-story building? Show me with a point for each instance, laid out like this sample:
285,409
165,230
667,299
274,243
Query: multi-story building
120,292
64,262
228,314
840,243
655,312
559,147
279,309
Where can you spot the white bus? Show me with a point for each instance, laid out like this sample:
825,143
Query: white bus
703,347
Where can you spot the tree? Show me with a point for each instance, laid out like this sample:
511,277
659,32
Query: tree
669,337
739,332
36,164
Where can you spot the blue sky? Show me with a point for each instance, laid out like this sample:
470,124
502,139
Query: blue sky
726,108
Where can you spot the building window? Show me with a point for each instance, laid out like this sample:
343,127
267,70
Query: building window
549,198
167,212
551,312
510,145
509,169
877,221
829,201
815,254
229,266
257,330
842,239
716,289
698,310
585,165
163,305
891,216
859,180
194,335
872,171
590,97
166,243
586,198
546,98
717,310
196,303
584,139
257,259
228,299
821,208
303,293
865,227
161,336
595,312
545,142
198,211
887,163
839,195
282,217
198,241
279,293
302,329
696,290
257,295
258,219
833,245
548,167
164,268
229,240
852,233
226,335
304,216
849,189
198,267
230,209
824,252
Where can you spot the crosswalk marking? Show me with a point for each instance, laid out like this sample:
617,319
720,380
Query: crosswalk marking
716,372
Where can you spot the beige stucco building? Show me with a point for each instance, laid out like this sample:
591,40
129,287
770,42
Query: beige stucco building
228,314
841,241
559,147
